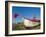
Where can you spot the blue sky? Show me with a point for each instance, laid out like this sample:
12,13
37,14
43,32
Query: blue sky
25,12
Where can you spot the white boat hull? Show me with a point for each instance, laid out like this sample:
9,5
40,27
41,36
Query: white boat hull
28,23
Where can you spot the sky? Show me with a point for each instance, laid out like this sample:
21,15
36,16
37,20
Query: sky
27,12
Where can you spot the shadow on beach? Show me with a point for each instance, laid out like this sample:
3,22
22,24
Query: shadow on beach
21,26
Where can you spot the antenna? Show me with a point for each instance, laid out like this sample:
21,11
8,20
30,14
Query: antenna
33,15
